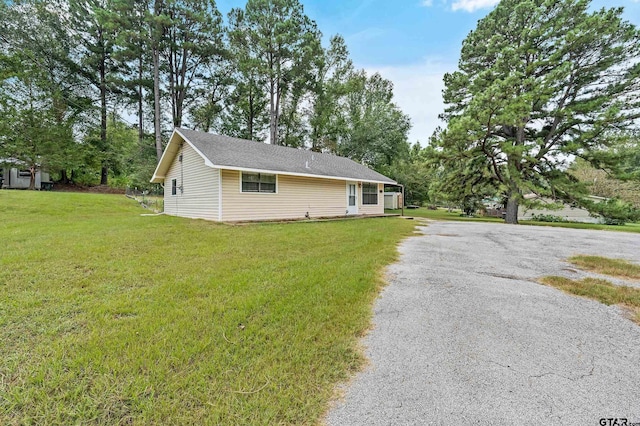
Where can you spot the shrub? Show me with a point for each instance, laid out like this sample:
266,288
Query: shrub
615,212
547,218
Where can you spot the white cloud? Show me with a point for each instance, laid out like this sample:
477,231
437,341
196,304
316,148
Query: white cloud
417,91
427,3
473,5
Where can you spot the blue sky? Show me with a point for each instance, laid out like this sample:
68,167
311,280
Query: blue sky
410,42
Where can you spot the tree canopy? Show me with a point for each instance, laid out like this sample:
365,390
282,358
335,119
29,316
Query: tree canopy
81,70
540,83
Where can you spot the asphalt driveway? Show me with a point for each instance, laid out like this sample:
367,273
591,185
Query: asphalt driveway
464,335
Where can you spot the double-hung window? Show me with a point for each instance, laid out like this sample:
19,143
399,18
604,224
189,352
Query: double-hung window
258,182
174,186
369,193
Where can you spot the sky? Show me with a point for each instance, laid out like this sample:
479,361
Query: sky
413,43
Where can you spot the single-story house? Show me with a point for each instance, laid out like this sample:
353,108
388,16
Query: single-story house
13,175
567,212
222,178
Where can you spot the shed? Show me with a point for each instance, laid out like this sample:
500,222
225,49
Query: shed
392,200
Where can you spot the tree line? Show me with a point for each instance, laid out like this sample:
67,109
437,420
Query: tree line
546,99
90,89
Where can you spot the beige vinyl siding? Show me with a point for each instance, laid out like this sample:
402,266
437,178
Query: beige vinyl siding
372,208
294,198
199,199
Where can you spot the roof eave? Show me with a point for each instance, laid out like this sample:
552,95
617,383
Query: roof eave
310,175
157,176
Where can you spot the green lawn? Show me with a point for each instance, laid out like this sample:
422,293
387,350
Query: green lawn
109,317
443,214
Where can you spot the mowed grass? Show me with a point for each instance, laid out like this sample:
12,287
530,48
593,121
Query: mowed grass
444,214
601,290
108,317
603,265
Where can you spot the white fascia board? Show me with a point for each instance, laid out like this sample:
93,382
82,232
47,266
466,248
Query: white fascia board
156,177
159,178
207,162
310,175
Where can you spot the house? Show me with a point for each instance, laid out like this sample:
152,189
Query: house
222,178
567,212
14,175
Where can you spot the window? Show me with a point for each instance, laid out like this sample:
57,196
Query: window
24,173
174,186
258,182
369,193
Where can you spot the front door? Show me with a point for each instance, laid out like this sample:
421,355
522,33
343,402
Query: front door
352,198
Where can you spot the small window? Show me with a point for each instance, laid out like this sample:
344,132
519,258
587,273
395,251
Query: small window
24,173
258,182
369,193
174,186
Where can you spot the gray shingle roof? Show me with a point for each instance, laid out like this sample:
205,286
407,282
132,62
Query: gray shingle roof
224,151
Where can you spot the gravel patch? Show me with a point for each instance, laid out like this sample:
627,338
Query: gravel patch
464,335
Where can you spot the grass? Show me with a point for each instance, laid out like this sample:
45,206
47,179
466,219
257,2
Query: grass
444,214
108,317
603,265
601,290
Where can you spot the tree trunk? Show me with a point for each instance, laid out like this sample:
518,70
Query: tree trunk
140,94
32,178
273,137
156,100
156,32
512,208
103,119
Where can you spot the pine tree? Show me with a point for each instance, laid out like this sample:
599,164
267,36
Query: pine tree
279,43
540,82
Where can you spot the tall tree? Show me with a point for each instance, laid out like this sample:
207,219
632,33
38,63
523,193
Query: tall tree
193,43
93,25
373,129
39,85
330,83
280,42
245,113
157,22
208,105
540,81
133,39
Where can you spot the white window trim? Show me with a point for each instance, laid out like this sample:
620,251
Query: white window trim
177,189
377,193
261,193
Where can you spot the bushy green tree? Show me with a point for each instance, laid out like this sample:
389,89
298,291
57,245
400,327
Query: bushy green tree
539,82
39,103
614,211
373,130
414,171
